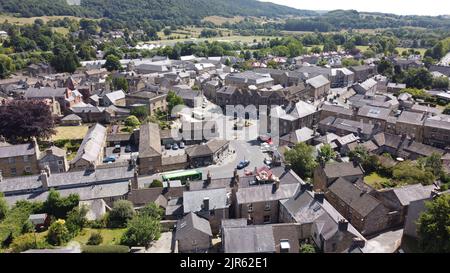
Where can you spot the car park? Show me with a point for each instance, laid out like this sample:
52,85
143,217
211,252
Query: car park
175,146
110,159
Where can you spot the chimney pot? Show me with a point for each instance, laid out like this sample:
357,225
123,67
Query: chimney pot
343,225
319,196
206,203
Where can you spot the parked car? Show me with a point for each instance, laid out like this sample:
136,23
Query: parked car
116,149
248,172
110,159
243,164
175,146
168,146
182,145
128,149
268,161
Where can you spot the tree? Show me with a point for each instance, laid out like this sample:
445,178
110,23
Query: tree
76,220
408,172
440,83
173,100
326,153
346,62
24,119
316,49
6,66
120,83
95,239
132,121
152,210
113,63
59,206
386,68
433,226
64,59
58,234
25,242
307,248
433,163
120,214
3,207
141,112
141,231
418,78
156,184
301,159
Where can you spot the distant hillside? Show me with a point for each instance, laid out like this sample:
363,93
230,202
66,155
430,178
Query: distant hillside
177,11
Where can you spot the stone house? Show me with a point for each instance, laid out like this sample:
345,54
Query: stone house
319,86
116,98
193,234
91,151
363,72
16,160
330,110
208,153
436,131
293,117
410,124
154,101
55,158
324,176
374,115
150,157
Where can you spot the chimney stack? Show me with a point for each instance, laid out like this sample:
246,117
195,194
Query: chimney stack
306,187
208,178
206,203
319,196
47,170
44,179
343,225
134,181
275,185
358,242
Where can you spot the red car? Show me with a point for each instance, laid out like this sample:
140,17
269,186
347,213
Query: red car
248,172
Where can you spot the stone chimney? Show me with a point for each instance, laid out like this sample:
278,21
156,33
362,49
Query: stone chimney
47,170
305,187
134,181
275,185
343,225
358,242
319,196
206,203
208,178
44,179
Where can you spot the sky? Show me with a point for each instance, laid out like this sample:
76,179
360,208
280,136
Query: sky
401,7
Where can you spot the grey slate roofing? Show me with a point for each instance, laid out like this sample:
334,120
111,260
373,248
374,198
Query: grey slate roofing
410,193
374,112
55,151
351,195
193,200
189,223
300,135
92,144
17,150
411,118
388,140
304,208
206,149
440,121
149,140
71,117
318,81
261,193
241,222
337,109
249,77
249,239
299,110
421,149
116,95
341,169
45,92
350,125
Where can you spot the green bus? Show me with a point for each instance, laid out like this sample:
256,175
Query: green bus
185,175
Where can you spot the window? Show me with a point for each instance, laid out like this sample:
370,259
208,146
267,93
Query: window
26,158
60,162
267,206
266,219
11,160
13,171
28,169
250,207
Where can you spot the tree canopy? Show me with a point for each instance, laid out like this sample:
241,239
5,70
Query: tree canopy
301,159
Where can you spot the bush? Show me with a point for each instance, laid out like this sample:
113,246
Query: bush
307,248
58,234
59,206
156,184
106,249
152,210
141,231
132,121
76,220
25,242
3,207
121,212
95,239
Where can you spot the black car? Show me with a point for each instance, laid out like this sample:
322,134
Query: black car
243,164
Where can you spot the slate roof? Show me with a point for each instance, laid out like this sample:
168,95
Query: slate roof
71,117
149,140
318,81
410,193
206,149
388,140
411,118
440,121
261,193
337,109
189,223
17,150
193,200
300,135
421,149
351,195
116,95
249,239
374,112
341,169
92,144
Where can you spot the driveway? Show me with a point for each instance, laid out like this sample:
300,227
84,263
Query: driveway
163,245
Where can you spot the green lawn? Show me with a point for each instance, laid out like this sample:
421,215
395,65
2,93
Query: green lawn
70,132
421,50
375,180
110,236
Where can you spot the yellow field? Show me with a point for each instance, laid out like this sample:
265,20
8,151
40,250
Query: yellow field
70,132
218,20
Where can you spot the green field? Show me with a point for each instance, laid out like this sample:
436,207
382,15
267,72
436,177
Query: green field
376,181
110,236
30,20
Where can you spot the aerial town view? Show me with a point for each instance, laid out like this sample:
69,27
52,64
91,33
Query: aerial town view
225,127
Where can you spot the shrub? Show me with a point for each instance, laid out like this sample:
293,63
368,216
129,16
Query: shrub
106,249
307,248
95,239
152,210
25,242
141,230
132,121
156,184
76,220
58,234
121,212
